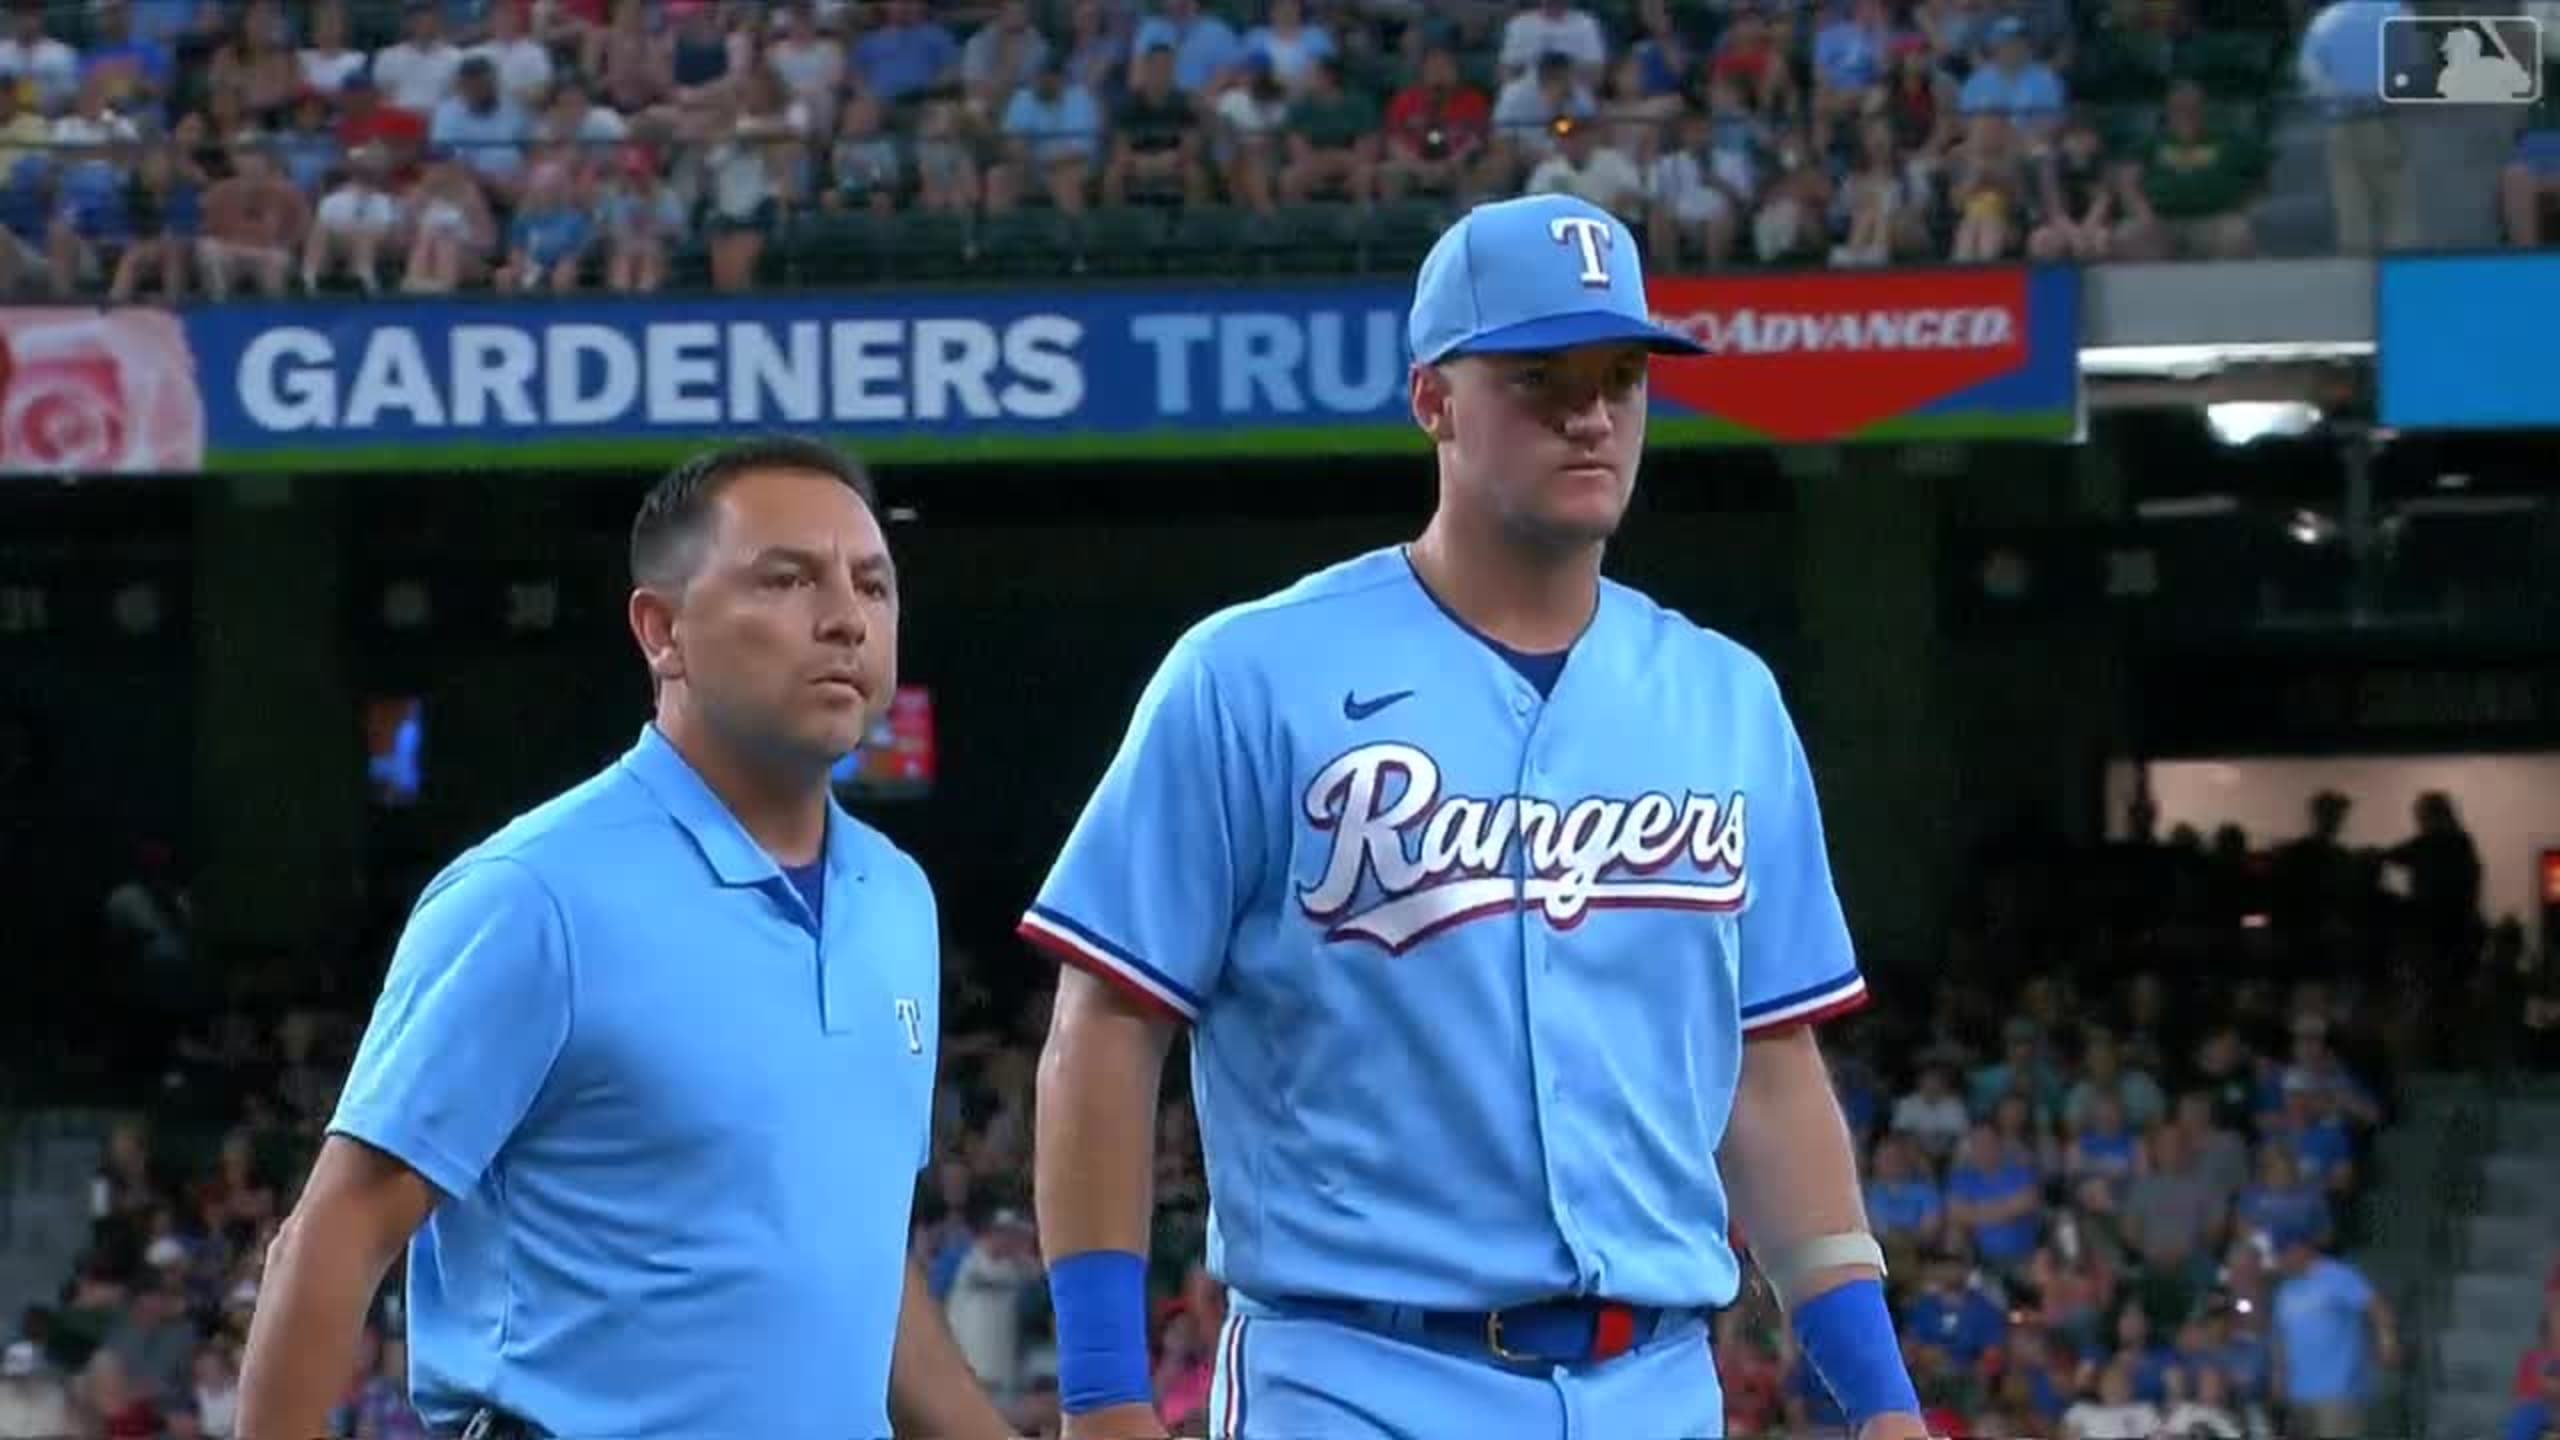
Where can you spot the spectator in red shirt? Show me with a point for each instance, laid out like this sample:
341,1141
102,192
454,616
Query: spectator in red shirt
122,1408
1436,129
2529,1366
1750,57
364,120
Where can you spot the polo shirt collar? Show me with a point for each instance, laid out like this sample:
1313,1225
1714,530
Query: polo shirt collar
732,853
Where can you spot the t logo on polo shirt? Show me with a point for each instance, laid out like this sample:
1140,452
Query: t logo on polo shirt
911,1015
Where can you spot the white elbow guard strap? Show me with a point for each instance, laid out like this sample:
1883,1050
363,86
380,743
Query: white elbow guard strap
1789,1268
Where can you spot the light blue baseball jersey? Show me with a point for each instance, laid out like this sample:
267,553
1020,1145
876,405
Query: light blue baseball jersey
1468,967
674,1119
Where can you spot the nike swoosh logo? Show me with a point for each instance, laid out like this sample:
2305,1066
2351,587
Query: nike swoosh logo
1355,708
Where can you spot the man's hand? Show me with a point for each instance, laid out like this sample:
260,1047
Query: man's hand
1116,1422
1900,1425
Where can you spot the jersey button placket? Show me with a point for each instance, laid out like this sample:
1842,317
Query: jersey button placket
1552,1090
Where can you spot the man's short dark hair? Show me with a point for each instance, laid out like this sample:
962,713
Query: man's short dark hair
674,519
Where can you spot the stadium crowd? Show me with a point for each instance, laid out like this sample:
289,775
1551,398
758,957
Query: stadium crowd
2111,1149
168,148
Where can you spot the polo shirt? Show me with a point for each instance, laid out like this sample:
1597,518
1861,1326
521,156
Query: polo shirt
2320,1322
674,1120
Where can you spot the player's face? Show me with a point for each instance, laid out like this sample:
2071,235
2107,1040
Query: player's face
1548,442
788,634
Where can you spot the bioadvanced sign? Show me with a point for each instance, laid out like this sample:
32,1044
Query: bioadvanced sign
1844,355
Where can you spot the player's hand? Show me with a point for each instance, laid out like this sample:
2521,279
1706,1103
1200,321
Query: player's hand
1901,1425
1116,1422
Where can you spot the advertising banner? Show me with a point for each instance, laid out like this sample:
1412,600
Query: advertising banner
1097,371
2465,342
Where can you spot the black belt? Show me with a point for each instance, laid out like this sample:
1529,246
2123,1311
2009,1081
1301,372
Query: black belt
1568,1331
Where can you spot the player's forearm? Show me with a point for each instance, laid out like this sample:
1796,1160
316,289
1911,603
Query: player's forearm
1788,1165
932,1391
1094,1153
321,1276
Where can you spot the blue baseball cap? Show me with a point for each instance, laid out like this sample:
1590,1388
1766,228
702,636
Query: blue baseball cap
1542,272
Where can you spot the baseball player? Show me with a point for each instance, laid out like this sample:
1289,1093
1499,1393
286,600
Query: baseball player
1494,898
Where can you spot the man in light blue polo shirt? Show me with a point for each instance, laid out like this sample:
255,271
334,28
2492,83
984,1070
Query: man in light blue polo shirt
1204,46
2325,1313
651,1076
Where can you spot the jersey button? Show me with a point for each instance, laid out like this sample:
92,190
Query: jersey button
1520,703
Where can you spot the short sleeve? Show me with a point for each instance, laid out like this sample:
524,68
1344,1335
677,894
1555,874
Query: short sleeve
475,1009
1148,888
1797,963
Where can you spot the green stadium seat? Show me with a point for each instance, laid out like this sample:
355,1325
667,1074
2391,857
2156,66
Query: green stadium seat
931,245
1206,239
689,267
1400,233
839,247
1314,238
1125,239
1028,243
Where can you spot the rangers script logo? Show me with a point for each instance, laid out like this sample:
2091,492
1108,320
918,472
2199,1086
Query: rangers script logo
1439,862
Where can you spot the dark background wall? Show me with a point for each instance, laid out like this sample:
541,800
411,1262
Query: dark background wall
1038,602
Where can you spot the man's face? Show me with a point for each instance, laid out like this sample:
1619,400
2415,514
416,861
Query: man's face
786,638
1545,444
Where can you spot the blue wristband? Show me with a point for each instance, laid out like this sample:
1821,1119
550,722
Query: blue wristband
1100,1299
1847,1334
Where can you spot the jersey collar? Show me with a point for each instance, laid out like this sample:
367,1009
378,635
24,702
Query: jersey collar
726,846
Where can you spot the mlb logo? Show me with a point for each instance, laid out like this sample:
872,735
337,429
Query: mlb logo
2461,59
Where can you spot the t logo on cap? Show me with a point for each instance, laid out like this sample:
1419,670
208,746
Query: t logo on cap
1589,236
1492,284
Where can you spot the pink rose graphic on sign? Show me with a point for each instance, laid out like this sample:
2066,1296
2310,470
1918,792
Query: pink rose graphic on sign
98,392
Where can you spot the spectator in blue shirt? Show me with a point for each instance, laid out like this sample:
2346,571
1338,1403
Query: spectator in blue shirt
2015,83
1903,1203
1997,1198
2023,1067
2331,1329
1849,54
2148,1360
2322,1146
1204,47
1003,56
908,56
162,212
134,69
1290,44
1053,140
549,240
2102,1146
1951,1313
2281,1200
482,127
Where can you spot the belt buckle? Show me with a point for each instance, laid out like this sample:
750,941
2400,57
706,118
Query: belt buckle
1493,1342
